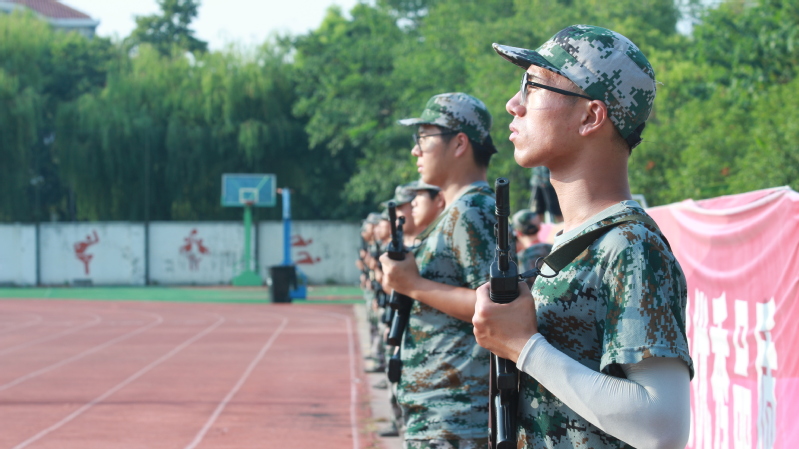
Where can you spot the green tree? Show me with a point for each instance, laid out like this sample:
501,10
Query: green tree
170,29
723,121
40,70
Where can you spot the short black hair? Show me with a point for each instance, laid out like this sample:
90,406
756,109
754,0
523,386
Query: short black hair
481,151
432,193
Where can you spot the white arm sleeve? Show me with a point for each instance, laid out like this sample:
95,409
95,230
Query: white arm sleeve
648,410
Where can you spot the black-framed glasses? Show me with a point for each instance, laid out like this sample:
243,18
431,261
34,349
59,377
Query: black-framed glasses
417,137
525,83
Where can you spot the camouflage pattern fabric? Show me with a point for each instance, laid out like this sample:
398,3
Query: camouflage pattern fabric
443,391
475,443
526,258
403,194
603,63
522,220
421,185
621,301
456,111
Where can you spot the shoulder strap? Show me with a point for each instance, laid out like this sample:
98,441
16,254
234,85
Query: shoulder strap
566,253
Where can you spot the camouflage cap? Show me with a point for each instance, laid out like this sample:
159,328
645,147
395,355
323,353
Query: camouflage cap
459,112
403,194
373,218
603,63
421,185
524,221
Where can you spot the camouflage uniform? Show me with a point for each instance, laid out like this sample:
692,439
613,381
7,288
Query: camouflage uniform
526,258
444,386
477,443
524,222
621,301
443,390
369,294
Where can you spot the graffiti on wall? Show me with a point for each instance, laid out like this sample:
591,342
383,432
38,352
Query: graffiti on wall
82,246
303,257
193,249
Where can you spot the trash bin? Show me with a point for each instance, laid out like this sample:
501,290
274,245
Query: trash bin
284,278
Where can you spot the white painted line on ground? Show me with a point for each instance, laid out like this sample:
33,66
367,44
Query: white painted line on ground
92,323
39,372
15,327
354,381
120,385
201,434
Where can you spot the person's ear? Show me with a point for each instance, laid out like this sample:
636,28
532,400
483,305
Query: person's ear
440,202
461,142
594,116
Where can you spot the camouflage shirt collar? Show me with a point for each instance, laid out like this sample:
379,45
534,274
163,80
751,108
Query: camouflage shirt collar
609,215
477,187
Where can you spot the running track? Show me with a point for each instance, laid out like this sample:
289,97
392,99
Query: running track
94,374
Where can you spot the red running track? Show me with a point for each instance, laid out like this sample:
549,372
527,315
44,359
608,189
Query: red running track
89,374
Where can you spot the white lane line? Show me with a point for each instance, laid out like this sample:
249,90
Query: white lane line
353,387
354,381
15,327
92,323
39,372
201,434
120,385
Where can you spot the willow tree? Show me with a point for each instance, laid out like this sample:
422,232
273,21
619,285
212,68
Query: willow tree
40,71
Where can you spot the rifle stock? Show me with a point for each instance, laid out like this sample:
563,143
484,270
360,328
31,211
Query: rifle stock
503,287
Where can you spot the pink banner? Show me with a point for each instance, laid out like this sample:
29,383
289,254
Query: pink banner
740,254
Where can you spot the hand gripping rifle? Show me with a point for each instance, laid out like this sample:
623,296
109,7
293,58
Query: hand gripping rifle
504,377
400,303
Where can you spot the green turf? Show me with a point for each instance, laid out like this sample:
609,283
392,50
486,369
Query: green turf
316,294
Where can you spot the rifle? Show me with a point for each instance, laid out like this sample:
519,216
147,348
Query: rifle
503,387
400,303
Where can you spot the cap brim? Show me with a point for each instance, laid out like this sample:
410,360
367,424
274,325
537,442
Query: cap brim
524,58
414,122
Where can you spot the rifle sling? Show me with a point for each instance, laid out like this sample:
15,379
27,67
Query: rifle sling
564,255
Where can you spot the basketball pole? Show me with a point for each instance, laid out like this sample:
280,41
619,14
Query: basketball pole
247,277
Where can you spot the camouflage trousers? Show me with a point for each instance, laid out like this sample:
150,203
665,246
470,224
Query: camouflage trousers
475,443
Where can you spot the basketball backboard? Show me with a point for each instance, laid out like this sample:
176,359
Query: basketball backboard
239,190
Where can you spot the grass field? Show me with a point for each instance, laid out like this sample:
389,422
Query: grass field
220,294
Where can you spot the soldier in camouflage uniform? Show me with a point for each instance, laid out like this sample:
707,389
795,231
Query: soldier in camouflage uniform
602,344
403,196
369,262
443,390
427,205
529,249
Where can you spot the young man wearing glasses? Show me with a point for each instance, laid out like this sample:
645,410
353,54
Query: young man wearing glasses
443,390
602,343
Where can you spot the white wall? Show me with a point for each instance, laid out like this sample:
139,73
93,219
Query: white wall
114,253
196,253
17,254
324,250
105,253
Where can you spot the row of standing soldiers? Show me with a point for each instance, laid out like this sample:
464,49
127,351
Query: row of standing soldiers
414,207
597,352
